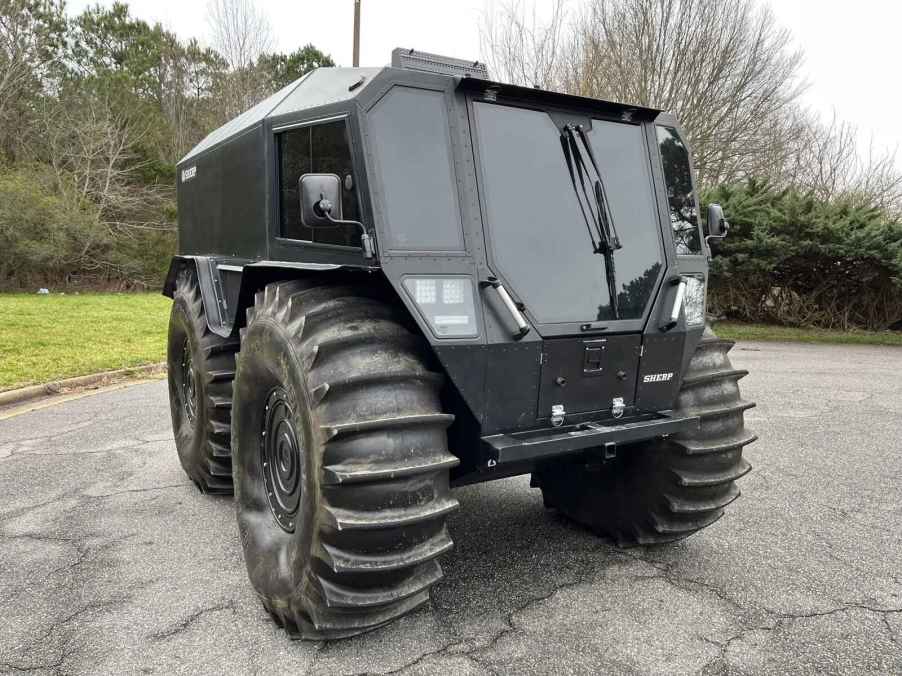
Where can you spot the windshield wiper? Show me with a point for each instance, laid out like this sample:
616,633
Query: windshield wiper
595,210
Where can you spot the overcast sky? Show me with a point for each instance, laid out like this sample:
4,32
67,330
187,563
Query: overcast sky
852,49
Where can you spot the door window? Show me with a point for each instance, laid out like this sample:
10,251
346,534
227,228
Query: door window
319,149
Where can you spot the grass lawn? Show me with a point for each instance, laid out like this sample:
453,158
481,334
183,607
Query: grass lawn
794,335
46,338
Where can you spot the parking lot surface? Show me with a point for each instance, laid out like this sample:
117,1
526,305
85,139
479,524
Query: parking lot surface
112,562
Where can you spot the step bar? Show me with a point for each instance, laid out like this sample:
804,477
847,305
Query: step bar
518,447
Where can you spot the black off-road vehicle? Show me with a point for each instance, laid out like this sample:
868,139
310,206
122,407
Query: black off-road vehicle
398,280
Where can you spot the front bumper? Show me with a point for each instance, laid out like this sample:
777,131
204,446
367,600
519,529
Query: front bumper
507,449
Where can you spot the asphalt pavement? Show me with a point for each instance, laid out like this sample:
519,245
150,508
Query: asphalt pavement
111,562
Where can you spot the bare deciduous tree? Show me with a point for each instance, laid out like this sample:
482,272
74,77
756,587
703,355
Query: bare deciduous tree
240,32
241,35
89,146
828,161
521,48
723,66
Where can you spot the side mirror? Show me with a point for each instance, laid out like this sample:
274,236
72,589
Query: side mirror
320,196
718,227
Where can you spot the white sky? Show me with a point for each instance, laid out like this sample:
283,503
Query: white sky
852,49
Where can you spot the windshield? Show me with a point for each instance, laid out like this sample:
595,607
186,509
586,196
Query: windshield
535,227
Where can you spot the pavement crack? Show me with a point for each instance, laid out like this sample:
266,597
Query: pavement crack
835,611
780,618
669,574
22,511
423,657
510,617
65,649
186,623
83,554
135,490
510,626
56,435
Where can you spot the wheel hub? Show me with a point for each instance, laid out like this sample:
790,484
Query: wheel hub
189,384
281,456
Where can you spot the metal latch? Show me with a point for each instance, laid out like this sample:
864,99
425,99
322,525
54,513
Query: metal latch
617,407
557,415
593,359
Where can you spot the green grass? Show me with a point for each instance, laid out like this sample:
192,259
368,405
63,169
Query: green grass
796,335
46,338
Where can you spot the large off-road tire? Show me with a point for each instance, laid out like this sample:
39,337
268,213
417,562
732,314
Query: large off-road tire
664,490
340,459
201,369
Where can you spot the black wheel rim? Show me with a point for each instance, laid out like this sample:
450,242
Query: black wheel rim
281,455
188,384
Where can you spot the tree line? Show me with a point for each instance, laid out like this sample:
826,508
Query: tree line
95,111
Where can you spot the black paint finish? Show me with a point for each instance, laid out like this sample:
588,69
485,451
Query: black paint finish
662,355
497,383
587,374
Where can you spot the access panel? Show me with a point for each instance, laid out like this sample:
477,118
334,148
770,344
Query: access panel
583,374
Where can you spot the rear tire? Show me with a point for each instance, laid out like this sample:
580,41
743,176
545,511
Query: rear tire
341,462
665,490
201,369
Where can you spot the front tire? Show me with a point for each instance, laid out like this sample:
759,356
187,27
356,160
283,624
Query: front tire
201,366
340,460
665,490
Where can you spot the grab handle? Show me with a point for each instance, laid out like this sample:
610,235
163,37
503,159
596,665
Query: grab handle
519,319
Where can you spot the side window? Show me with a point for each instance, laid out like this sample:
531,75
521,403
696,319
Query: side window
320,149
680,193
412,141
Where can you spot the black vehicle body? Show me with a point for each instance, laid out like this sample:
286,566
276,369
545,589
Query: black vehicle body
421,157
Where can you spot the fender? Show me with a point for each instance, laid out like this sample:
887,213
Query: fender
227,285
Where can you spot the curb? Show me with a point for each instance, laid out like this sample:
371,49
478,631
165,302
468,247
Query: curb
59,386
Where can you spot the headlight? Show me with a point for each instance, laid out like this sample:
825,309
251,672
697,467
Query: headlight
694,300
446,303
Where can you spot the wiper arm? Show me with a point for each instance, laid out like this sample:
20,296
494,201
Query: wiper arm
599,223
606,222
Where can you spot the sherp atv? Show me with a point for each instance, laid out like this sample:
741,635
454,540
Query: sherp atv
395,281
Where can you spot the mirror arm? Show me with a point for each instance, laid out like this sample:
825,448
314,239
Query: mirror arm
726,229
366,240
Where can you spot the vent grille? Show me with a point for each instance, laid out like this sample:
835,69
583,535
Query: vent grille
433,63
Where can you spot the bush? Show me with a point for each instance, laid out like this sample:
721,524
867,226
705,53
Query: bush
794,260
44,238
50,238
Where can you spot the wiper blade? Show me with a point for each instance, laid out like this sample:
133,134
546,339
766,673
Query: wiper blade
609,232
599,223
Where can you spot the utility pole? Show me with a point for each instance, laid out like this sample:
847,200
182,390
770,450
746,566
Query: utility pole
356,33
